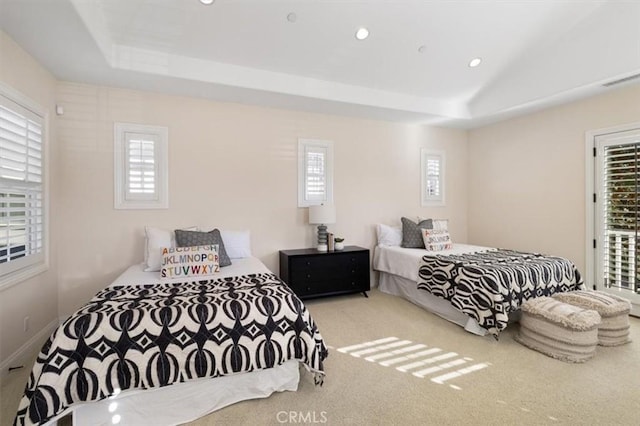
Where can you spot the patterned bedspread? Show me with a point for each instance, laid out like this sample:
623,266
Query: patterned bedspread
489,285
142,337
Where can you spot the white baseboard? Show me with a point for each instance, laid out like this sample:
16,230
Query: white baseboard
23,355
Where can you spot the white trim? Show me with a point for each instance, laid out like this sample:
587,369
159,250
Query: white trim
590,189
435,200
23,355
28,271
161,201
303,146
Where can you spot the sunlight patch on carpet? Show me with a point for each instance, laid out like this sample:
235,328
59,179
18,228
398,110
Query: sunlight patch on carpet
409,357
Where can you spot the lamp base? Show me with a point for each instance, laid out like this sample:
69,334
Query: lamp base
322,247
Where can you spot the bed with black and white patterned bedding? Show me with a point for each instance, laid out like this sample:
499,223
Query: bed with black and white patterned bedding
152,336
488,285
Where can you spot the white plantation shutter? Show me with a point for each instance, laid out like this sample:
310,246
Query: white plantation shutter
432,177
141,166
618,212
315,172
21,187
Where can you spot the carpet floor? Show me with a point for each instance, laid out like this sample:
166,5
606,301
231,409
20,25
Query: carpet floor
437,374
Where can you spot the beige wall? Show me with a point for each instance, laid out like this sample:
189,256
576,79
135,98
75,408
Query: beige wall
35,297
527,175
234,167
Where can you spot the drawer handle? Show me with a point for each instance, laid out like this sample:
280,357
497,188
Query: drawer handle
308,288
308,263
353,271
308,275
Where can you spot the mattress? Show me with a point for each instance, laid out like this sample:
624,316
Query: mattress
405,262
398,276
135,274
187,401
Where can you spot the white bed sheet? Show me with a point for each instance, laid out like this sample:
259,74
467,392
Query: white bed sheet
185,402
398,267
135,274
405,262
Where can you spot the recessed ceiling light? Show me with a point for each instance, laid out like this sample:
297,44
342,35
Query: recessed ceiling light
422,49
207,2
292,17
475,62
362,33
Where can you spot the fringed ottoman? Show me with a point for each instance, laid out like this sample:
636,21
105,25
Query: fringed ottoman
614,311
559,330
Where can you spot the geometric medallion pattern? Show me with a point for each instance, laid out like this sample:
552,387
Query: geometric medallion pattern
489,285
150,336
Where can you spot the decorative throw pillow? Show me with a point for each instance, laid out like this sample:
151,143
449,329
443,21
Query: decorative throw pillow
389,235
155,240
436,239
198,261
237,243
440,224
412,232
195,238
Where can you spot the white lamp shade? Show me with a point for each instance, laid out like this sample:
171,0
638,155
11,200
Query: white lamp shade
322,214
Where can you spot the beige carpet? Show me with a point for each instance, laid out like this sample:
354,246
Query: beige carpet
491,382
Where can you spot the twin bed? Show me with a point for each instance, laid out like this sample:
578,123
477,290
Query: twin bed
150,351
478,288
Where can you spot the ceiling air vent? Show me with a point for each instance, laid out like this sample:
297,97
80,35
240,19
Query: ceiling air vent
622,80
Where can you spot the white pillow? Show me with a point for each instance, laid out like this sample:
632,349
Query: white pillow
389,235
237,243
441,224
155,240
197,261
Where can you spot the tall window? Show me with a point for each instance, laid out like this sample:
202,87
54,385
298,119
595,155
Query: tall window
432,188
618,212
22,208
141,175
315,172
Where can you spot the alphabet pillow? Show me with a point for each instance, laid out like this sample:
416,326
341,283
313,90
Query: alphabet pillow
197,261
436,239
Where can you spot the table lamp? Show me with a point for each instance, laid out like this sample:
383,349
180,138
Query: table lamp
322,215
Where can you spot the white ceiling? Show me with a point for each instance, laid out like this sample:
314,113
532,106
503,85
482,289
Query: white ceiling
535,53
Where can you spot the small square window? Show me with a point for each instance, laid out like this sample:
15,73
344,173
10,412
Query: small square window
315,172
141,166
432,177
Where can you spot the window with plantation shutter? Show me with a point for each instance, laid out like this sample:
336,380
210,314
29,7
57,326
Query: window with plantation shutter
22,209
432,187
618,212
315,172
141,175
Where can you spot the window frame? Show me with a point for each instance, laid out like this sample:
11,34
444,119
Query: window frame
592,204
306,146
20,270
426,155
122,199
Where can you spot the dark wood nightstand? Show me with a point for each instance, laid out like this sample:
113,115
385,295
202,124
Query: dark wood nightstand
311,273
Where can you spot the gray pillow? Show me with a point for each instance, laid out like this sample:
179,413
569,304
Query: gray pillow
412,232
197,238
